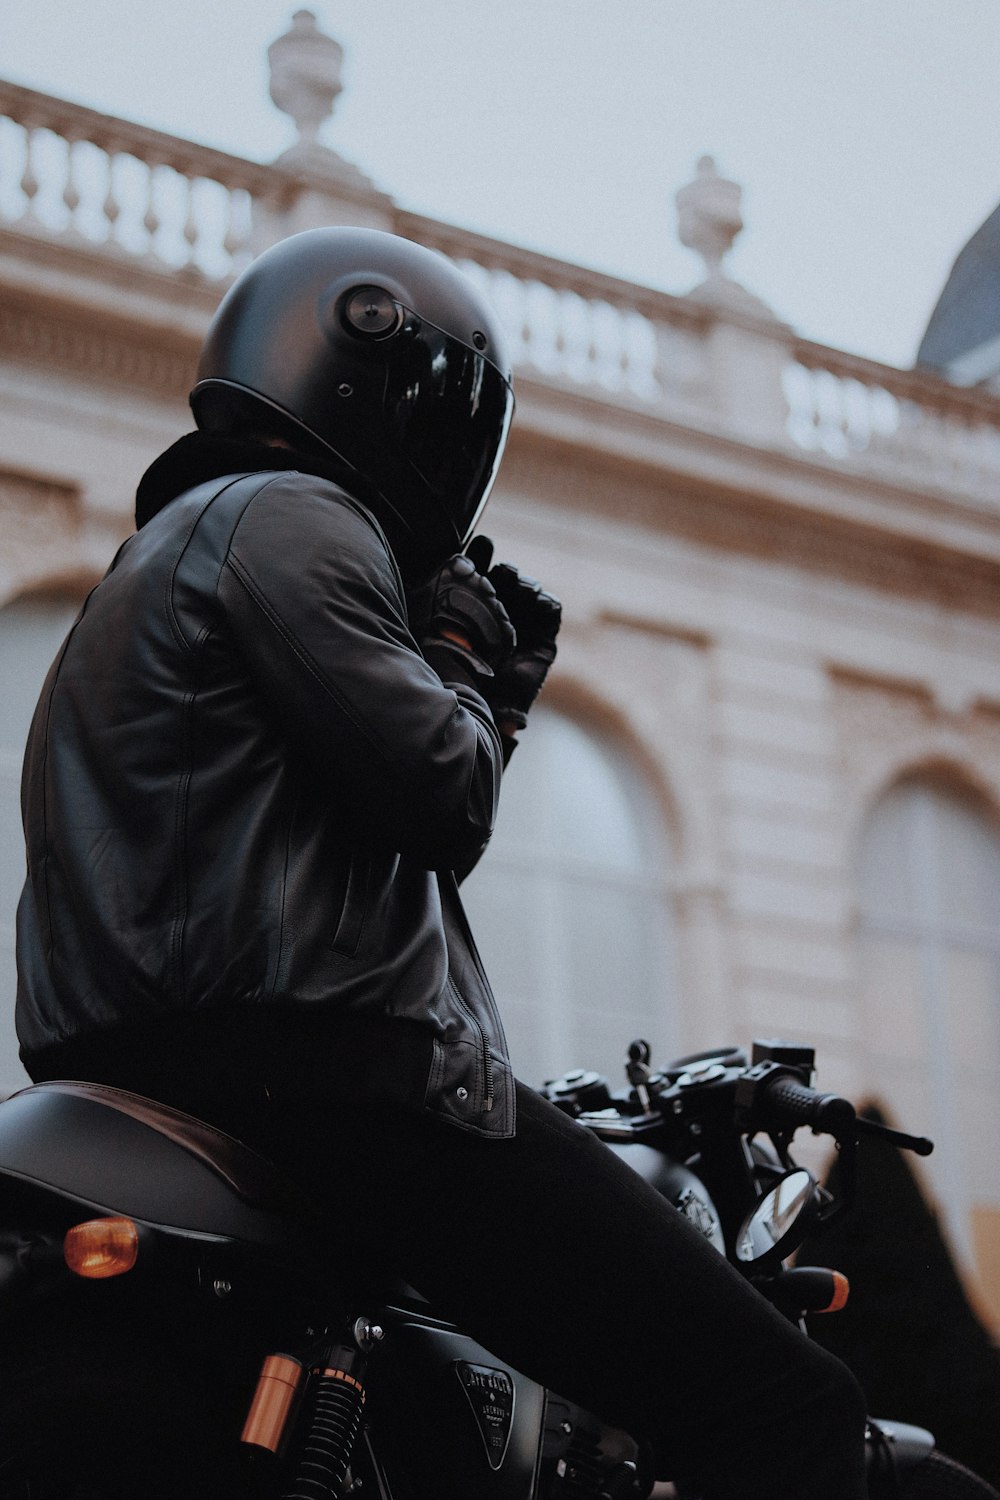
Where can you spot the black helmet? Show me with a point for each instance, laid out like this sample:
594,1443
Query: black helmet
385,355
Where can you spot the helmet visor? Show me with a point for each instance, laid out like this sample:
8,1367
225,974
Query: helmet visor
448,408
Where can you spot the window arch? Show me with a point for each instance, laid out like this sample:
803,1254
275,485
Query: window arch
570,905
930,969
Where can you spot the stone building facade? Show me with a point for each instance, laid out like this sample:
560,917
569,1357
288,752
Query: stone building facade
764,794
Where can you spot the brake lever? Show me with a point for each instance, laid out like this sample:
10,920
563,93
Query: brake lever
916,1143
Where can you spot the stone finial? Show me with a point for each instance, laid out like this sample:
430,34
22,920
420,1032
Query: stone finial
708,215
708,221
305,75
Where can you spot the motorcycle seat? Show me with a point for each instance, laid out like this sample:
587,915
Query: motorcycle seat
248,1174
122,1153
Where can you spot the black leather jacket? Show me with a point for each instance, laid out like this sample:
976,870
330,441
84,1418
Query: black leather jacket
245,787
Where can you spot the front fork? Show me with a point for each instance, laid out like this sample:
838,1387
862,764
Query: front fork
311,1408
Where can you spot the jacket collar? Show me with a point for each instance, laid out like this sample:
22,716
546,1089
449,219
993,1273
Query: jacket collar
200,456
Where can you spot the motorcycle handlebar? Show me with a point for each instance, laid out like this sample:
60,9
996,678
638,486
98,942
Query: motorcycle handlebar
786,1102
783,1101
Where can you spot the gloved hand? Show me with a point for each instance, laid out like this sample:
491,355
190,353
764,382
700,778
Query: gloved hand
536,617
457,612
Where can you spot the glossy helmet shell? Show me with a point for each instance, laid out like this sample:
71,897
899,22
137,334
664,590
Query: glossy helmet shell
385,355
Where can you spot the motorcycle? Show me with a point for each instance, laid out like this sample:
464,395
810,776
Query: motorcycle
174,1321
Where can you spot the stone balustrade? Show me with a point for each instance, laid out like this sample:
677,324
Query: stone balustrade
75,174
569,324
895,424
76,177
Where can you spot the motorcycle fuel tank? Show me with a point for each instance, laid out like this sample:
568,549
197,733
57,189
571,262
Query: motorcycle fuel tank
682,1187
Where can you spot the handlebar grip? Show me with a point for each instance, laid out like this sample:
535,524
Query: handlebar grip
786,1102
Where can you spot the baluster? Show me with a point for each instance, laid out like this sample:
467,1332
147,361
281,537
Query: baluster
910,440
507,295
111,208
856,399
592,344
601,345
624,353
814,407
924,436
190,220
560,334
29,183
607,345
151,219
885,419
616,355
829,413
236,234
549,321
640,343
527,328
570,345
71,190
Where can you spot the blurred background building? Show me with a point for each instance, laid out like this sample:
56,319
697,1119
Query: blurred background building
762,794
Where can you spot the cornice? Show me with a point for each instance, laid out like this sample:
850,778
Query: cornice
83,275
117,352
689,444
731,518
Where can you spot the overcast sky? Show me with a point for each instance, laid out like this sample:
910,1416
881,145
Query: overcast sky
864,132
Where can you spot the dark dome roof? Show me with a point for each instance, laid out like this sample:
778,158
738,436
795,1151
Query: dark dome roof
967,314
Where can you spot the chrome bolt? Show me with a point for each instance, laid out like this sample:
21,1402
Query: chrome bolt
221,1287
366,1334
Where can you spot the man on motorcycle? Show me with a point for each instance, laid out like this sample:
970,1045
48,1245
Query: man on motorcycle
268,752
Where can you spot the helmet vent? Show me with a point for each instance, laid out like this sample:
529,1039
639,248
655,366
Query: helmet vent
372,312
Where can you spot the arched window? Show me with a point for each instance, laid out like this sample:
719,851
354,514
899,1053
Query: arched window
930,954
31,631
569,905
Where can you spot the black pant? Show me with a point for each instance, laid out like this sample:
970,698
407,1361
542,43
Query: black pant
558,1258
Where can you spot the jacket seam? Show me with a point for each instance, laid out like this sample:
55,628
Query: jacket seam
295,645
183,798
174,623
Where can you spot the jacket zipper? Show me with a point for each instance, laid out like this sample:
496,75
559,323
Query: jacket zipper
484,1047
487,1069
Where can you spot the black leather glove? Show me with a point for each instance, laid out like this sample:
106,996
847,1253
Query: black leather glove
536,617
456,617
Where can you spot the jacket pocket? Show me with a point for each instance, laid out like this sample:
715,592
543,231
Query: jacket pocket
347,938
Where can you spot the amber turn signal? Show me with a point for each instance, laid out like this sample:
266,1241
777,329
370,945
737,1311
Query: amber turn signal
101,1247
840,1294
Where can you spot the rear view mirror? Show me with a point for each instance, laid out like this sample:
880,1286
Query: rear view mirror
778,1224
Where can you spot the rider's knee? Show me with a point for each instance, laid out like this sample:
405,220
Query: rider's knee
838,1400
